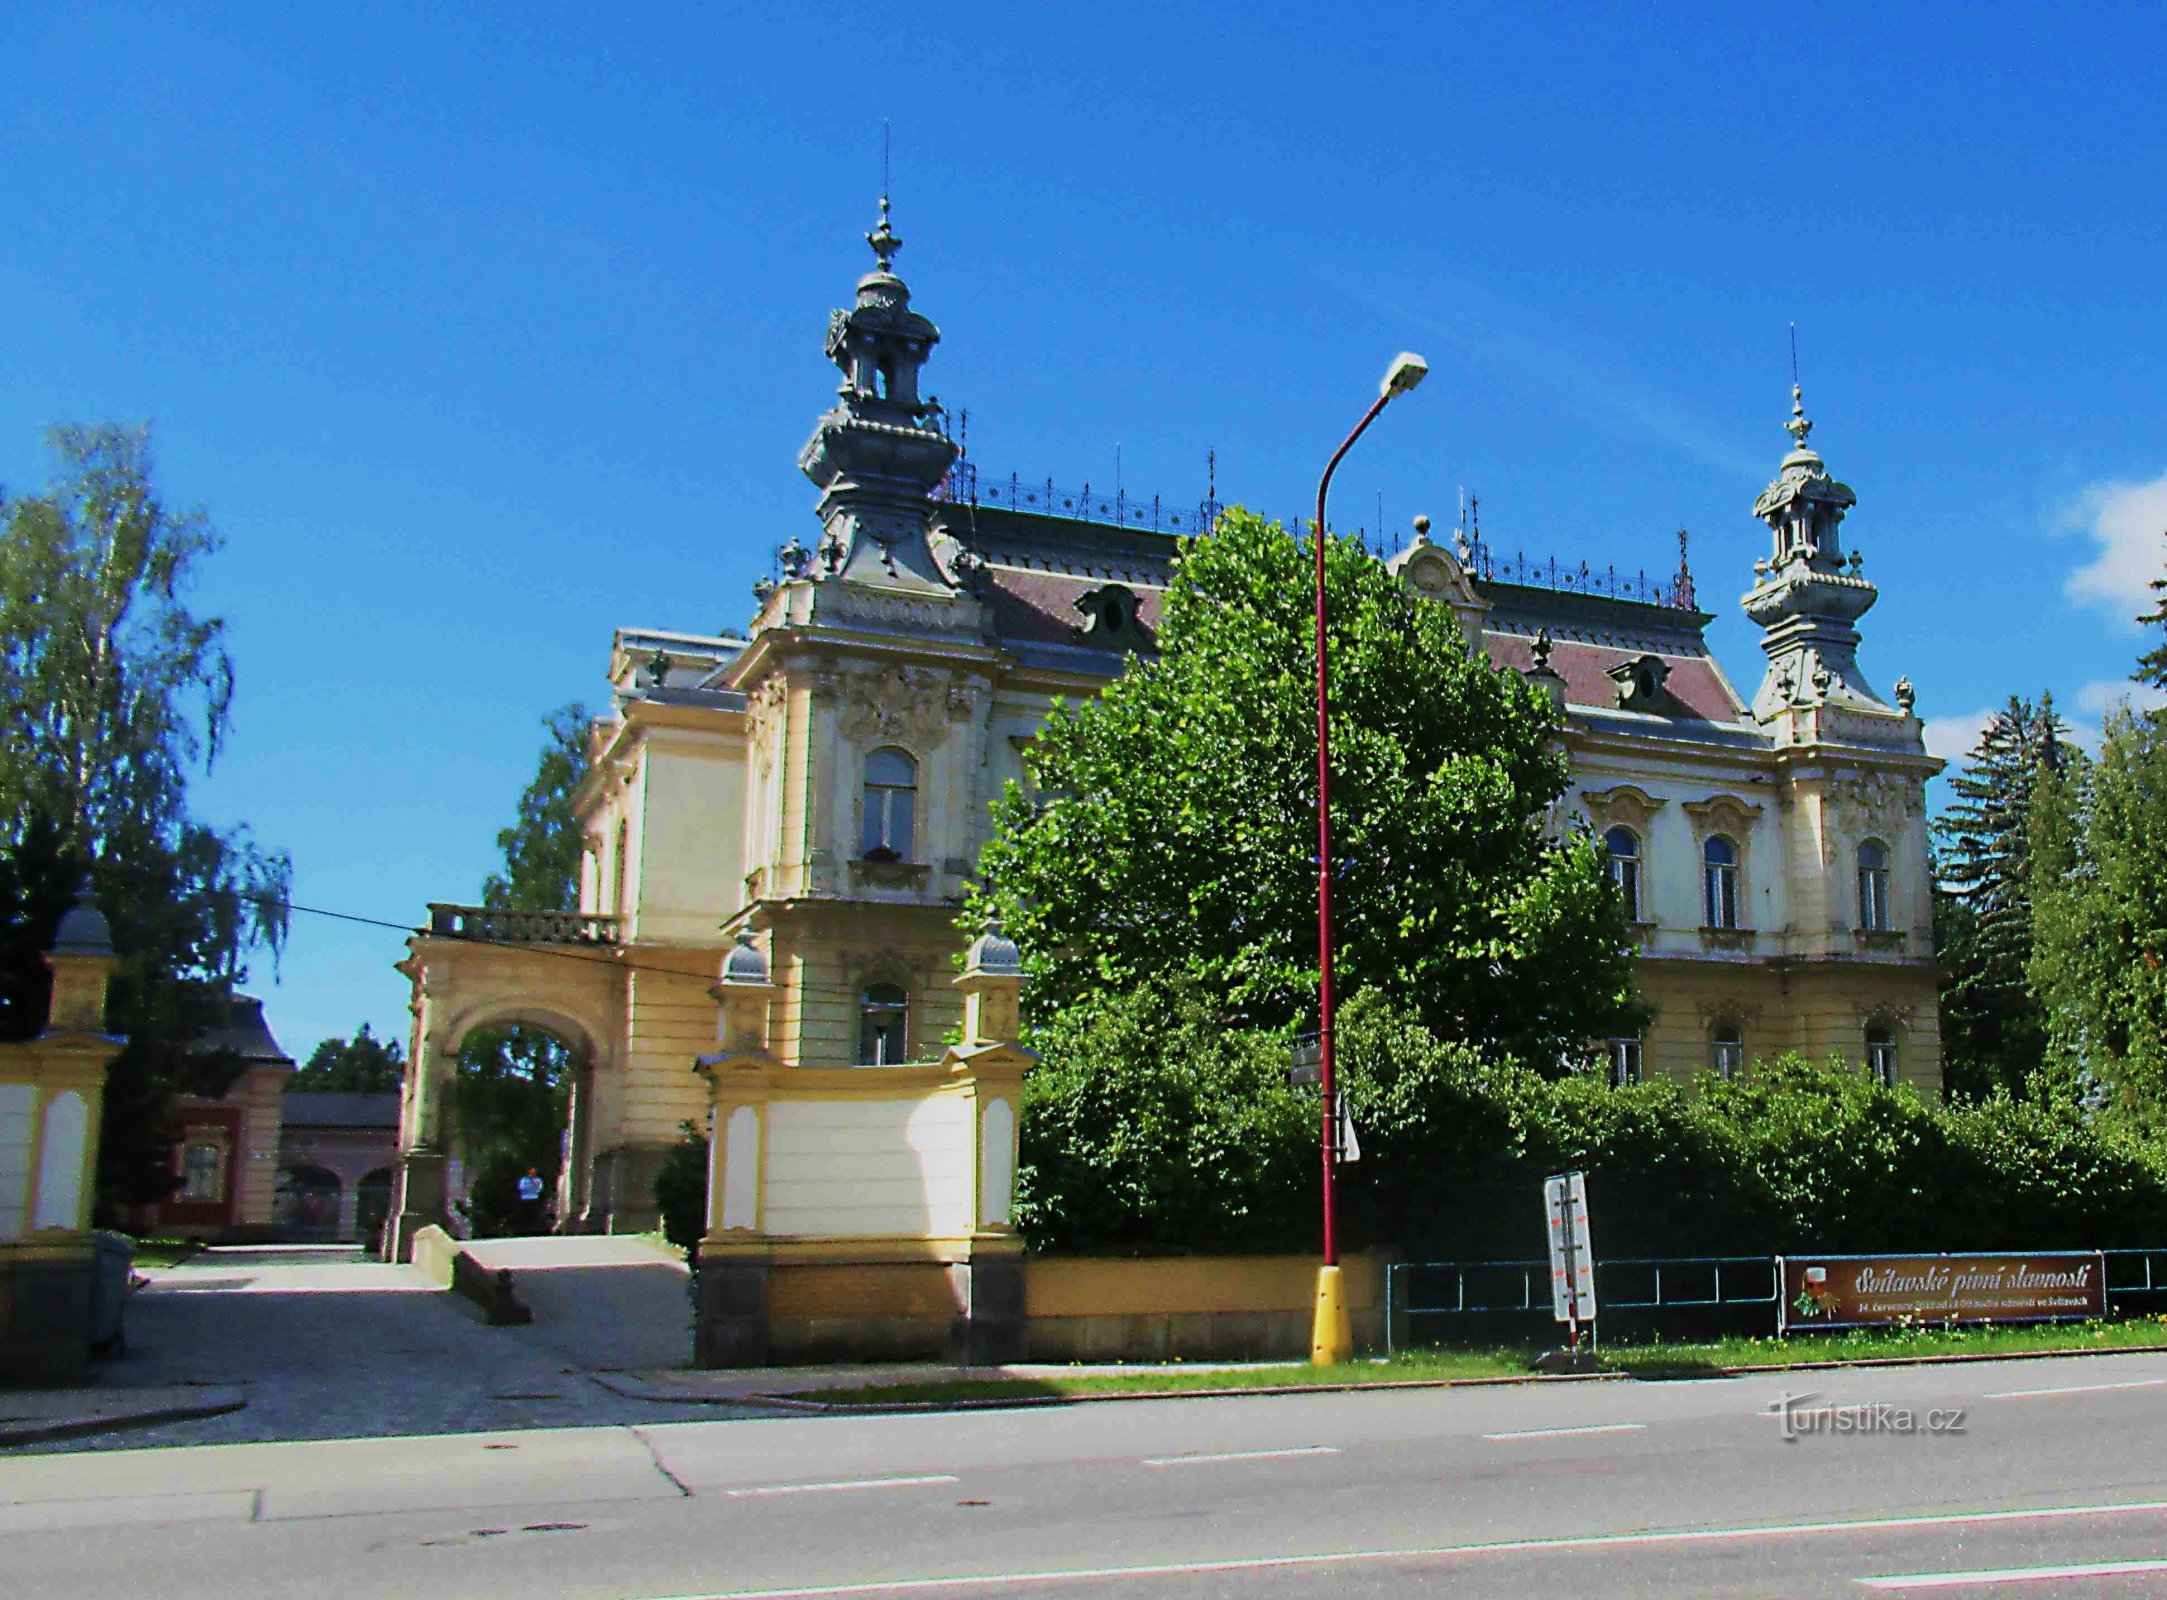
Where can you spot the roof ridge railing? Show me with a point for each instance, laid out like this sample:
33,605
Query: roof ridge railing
965,485
1607,583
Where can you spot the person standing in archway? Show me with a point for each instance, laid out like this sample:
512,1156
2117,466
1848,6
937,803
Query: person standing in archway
530,1202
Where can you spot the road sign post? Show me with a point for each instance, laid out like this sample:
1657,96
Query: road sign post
1572,1253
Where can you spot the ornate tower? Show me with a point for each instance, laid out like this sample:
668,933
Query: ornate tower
879,453
1808,597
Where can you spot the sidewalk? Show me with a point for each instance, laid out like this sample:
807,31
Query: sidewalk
36,1416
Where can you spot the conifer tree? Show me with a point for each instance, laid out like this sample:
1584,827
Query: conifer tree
1993,1028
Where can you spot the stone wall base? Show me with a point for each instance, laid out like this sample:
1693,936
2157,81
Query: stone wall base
776,1308
57,1299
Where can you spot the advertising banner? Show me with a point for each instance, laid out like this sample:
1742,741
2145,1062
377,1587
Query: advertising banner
1875,1291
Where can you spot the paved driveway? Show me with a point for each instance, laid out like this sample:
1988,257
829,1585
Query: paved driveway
326,1346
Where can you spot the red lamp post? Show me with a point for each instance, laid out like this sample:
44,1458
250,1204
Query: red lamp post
1331,1336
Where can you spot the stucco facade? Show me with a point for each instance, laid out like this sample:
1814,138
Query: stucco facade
822,785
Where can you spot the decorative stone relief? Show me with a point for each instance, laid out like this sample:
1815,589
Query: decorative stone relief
1741,1013
1725,814
912,705
1625,803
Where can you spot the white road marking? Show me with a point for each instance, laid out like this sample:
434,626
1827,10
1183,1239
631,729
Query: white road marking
1567,1433
2077,1388
1965,1580
1590,1541
850,1483
1242,1455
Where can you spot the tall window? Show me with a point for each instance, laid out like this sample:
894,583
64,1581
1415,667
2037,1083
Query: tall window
883,1040
1874,886
891,801
1624,847
1719,882
620,890
1624,1061
1726,1051
1881,1055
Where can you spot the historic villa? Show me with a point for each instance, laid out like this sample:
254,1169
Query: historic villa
799,810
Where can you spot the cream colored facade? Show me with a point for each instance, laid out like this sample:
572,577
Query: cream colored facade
822,786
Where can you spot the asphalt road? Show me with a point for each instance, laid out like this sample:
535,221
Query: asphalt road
2059,1474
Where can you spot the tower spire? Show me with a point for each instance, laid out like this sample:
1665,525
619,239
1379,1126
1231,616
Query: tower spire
880,453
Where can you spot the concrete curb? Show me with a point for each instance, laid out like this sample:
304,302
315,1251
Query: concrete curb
84,1427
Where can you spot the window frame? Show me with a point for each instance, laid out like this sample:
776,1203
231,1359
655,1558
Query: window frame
1727,1051
1881,1054
875,1004
1626,869
878,803
1873,887
1627,1054
1720,888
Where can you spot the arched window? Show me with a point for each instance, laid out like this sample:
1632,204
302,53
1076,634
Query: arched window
1881,1054
1624,847
1874,886
891,803
1719,882
1726,1051
883,1034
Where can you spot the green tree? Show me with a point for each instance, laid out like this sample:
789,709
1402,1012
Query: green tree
114,693
2100,925
542,848
363,1064
1993,1027
1172,825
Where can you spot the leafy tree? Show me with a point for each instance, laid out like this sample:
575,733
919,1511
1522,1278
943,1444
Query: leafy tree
363,1064
1993,1028
1173,828
114,692
2100,957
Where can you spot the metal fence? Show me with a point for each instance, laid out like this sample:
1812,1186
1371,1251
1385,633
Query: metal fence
1646,1284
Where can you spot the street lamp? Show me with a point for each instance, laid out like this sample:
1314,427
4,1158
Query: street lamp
1331,1337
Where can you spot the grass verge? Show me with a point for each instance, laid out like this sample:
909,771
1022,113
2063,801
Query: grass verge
1446,1366
165,1252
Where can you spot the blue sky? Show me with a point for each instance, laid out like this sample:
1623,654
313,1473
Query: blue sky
480,331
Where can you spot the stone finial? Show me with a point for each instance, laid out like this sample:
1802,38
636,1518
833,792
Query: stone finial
1422,530
1800,425
82,963
992,985
1906,696
745,990
884,240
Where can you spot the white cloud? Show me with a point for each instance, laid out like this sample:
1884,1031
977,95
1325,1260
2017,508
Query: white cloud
1952,738
2126,521
2110,694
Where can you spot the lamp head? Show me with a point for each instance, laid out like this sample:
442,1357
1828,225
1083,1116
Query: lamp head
1408,369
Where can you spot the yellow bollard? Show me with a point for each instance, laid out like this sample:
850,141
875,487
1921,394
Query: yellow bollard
1331,1335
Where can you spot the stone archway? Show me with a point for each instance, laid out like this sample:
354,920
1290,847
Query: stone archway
464,983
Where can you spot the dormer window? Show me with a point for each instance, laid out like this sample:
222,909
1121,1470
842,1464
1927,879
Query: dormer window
1640,682
1111,618
891,803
